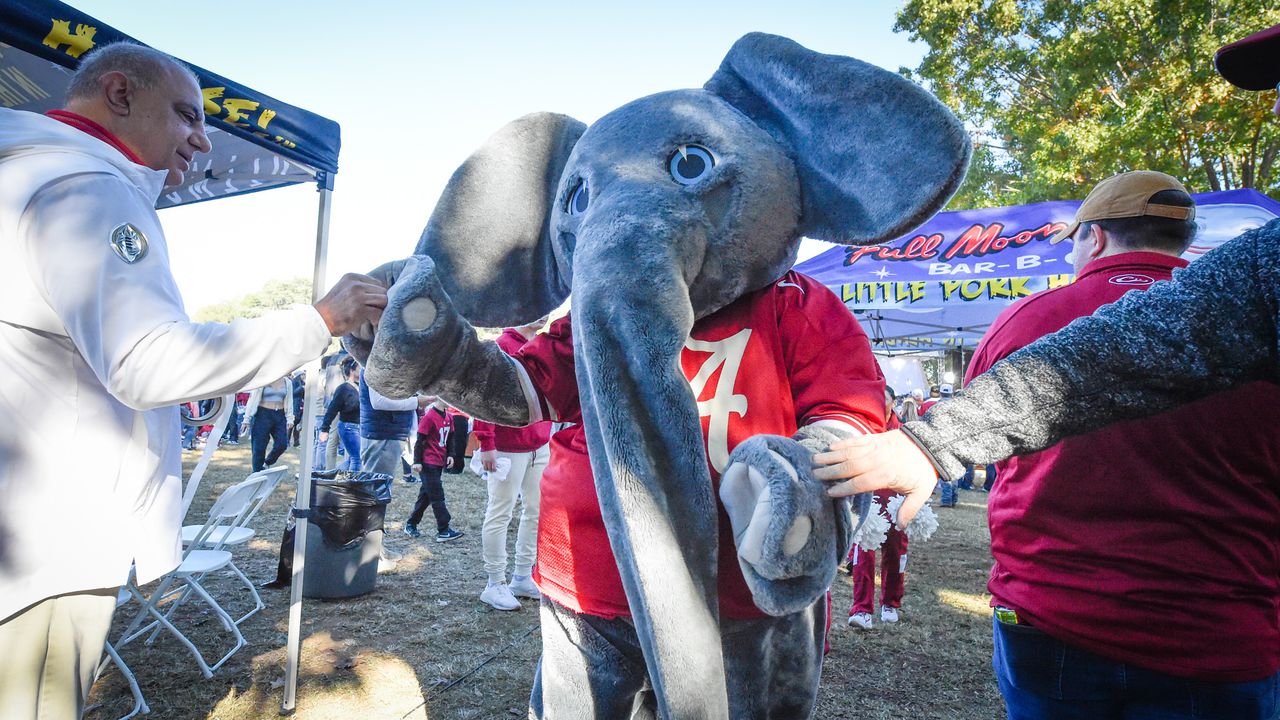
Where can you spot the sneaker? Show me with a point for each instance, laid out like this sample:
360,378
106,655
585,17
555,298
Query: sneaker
392,555
410,479
448,535
412,530
888,614
386,564
499,596
524,587
861,620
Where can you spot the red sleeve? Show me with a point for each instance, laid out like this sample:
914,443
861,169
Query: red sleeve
548,359
484,433
832,372
511,341
993,348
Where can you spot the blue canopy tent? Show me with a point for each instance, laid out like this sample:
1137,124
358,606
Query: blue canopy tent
939,288
259,143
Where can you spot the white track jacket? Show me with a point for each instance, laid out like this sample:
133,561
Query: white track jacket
95,354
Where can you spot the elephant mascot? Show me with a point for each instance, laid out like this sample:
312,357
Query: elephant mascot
685,547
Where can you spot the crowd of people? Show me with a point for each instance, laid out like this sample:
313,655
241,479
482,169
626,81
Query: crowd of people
1136,565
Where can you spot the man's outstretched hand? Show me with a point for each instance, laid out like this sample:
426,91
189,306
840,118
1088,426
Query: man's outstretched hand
878,462
356,300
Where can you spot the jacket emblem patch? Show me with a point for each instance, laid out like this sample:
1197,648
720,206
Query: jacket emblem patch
129,243
1132,279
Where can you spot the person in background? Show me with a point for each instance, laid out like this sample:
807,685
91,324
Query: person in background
893,560
385,424
270,413
334,376
911,406
430,451
99,348
345,408
935,394
299,397
511,463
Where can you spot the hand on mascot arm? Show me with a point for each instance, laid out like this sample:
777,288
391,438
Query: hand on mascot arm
888,461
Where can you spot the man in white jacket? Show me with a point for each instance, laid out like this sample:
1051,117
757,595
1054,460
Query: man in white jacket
95,342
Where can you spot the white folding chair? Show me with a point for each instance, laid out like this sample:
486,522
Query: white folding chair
139,702
239,534
203,555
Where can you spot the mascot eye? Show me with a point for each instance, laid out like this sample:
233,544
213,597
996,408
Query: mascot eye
578,199
691,163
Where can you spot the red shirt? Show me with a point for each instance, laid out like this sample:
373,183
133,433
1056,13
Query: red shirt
797,356
928,403
1154,542
434,427
511,439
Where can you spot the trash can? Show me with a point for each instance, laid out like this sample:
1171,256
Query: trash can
344,534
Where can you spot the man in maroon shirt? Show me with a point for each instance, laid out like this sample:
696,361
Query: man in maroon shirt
1139,562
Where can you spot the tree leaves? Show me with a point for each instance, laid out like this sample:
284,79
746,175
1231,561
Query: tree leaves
1062,93
275,295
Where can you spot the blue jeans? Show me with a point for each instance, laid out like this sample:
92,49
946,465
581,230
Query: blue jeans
270,425
349,436
948,493
1044,679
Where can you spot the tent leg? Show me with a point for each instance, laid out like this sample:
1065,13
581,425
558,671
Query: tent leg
302,501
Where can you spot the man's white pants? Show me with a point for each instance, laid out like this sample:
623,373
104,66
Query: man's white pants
49,655
523,480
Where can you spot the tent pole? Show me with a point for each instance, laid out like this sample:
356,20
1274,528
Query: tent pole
302,501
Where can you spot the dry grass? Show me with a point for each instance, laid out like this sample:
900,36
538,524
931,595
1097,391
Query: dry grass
394,653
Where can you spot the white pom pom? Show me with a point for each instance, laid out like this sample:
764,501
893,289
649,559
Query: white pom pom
923,525
892,508
873,533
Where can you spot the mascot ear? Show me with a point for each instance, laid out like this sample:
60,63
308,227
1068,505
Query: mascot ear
489,234
876,154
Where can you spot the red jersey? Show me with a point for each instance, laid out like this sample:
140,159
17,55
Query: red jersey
511,439
1154,542
775,359
434,427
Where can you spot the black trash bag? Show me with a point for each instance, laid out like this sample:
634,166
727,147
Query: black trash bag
456,447
346,506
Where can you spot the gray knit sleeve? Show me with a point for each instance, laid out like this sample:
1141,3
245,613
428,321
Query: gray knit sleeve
1211,328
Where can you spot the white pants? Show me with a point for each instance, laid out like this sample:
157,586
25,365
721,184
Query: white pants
523,480
49,655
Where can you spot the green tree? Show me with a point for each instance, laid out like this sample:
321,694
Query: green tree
1063,93
275,295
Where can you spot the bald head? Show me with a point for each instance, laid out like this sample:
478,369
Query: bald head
150,102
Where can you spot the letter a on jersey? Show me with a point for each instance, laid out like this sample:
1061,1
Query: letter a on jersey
726,356
129,243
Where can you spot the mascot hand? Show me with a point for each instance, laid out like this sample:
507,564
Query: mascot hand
790,535
418,333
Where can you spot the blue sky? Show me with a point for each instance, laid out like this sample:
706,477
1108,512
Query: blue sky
417,86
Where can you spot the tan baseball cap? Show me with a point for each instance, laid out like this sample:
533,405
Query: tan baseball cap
1127,195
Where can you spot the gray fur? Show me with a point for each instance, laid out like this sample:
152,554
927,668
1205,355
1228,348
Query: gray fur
445,358
877,155
1211,328
490,225
803,144
786,583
